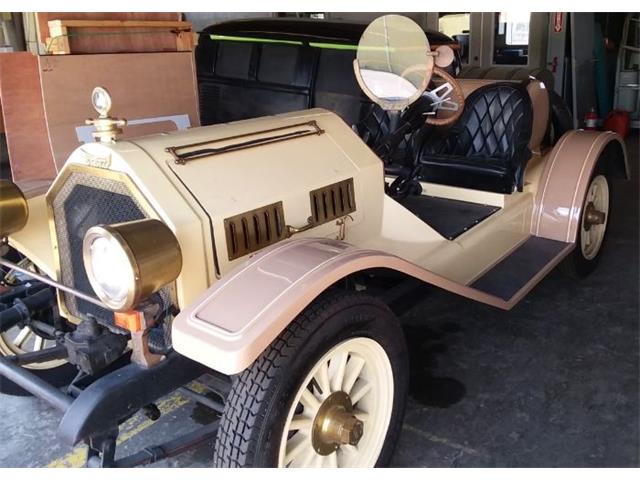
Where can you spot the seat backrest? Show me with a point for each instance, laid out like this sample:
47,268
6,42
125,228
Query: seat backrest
496,123
541,106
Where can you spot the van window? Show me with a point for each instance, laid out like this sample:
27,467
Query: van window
511,38
457,26
234,59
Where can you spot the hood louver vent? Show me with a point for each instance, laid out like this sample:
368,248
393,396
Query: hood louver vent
254,230
332,202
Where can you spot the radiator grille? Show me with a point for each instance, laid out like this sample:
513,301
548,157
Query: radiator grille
253,230
333,201
83,201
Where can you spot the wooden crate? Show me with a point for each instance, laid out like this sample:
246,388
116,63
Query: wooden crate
112,32
46,98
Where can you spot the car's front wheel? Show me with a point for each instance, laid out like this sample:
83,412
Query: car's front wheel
328,392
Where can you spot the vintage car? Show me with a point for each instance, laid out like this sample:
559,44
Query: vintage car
255,67
245,253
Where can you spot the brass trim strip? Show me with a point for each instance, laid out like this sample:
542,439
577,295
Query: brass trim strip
50,196
183,158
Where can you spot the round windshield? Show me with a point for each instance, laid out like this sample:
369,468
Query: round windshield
394,62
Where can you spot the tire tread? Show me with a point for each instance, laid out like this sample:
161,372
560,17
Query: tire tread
235,446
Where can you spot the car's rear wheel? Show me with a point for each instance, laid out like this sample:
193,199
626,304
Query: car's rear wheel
329,391
592,231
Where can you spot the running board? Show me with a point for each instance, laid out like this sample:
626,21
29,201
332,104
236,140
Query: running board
516,274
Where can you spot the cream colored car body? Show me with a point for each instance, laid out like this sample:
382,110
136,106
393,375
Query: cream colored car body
232,309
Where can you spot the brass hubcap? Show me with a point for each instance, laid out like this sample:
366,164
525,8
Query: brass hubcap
593,216
335,425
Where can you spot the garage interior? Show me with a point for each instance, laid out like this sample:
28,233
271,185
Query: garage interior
552,383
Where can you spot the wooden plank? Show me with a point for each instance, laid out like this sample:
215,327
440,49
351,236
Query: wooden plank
184,41
44,17
58,43
113,40
30,154
142,85
119,24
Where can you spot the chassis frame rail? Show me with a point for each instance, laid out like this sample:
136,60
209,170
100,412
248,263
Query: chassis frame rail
11,370
111,399
95,414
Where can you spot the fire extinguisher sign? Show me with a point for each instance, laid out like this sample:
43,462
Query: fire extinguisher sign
558,21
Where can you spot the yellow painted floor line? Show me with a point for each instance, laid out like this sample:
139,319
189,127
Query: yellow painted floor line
129,429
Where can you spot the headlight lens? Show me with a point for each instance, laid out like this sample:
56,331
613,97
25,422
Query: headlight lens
128,262
111,268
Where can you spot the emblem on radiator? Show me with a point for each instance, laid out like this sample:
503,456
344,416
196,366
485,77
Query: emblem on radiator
98,161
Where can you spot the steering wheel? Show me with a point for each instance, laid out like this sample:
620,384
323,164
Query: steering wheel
447,97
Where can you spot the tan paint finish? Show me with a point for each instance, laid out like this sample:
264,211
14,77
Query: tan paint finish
233,309
564,182
167,202
34,241
541,108
233,183
469,85
225,331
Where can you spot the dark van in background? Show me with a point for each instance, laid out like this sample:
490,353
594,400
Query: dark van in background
252,68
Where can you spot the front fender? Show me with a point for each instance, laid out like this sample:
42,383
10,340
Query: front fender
233,322
34,240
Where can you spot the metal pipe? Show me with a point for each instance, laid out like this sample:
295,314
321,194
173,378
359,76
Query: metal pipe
53,283
23,308
12,316
43,327
206,401
54,353
34,385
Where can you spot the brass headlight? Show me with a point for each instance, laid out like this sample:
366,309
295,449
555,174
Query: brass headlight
128,262
14,211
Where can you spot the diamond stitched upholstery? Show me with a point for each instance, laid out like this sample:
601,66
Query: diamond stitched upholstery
374,126
487,149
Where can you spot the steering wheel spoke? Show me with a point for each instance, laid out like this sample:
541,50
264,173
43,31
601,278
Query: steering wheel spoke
447,97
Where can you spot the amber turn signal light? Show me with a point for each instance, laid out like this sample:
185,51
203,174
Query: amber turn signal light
131,320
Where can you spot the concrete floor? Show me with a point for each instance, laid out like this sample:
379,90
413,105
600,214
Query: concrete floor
553,383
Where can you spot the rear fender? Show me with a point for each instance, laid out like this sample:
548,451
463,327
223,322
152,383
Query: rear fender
235,320
565,179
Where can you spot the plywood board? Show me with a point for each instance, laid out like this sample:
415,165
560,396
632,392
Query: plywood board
30,155
142,85
112,40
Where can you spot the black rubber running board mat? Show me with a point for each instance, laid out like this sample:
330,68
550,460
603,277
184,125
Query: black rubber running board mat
515,271
450,218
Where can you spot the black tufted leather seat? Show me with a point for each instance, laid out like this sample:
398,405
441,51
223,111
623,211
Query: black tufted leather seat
487,148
